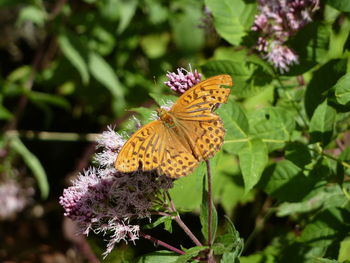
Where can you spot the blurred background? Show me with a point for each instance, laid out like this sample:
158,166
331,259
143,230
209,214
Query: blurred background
68,69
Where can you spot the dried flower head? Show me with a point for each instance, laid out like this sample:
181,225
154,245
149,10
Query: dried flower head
103,200
182,80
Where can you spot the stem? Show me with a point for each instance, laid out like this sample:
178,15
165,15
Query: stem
181,223
210,206
161,243
53,136
322,153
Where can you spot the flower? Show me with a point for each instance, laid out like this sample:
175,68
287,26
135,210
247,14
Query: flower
281,57
104,200
182,80
111,143
276,22
13,198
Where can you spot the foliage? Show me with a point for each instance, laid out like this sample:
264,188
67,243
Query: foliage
286,156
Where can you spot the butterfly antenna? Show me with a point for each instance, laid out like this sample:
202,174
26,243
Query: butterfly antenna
156,85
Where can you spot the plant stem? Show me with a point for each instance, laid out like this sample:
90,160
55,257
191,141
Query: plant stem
210,206
161,243
322,153
179,221
53,136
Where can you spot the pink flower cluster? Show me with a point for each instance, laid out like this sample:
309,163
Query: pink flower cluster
276,22
103,200
183,80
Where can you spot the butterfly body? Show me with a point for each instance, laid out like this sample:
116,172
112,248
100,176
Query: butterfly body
166,118
183,136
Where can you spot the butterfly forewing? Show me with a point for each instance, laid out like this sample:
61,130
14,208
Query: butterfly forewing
198,102
144,148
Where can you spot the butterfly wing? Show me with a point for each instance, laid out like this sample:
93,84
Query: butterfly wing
205,137
178,159
156,147
198,102
143,150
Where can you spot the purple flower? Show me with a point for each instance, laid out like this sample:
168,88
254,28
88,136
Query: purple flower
182,80
276,22
103,200
281,57
110,142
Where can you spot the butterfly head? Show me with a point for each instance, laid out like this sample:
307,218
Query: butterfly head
165,117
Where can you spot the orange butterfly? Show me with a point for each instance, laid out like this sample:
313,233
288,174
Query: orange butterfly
188,133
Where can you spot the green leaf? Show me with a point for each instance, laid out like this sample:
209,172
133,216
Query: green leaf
312,45
344,251
229,257
327,228
187,35
342,90
162,256
161,100
155,45
127,10
5,114
298,153
273,125
323,79
204,214
325,197
33,163
325,260
232,18
71,48
254,258
40,97
239,71
286,182
190,253
159,221
33,14
236,125
322,123
104,73
187,191
253,158
341,5
229,242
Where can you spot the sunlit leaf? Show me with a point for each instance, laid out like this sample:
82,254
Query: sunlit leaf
342,90
232,18
71,49
104,73
322,123
253,159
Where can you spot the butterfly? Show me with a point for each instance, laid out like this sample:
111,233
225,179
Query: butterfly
183,136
